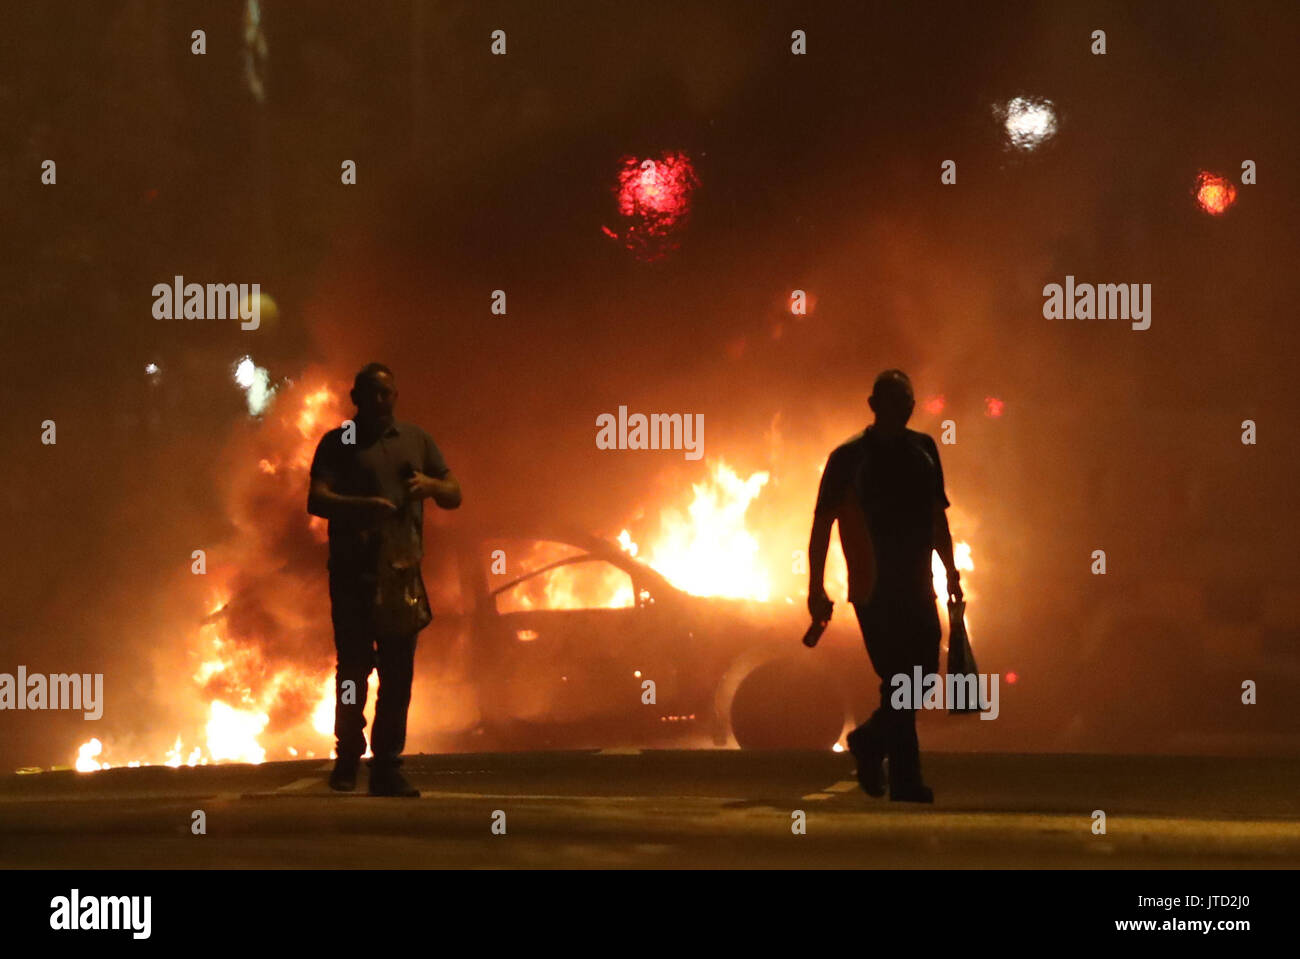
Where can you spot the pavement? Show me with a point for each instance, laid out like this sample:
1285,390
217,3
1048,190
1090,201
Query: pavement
664,809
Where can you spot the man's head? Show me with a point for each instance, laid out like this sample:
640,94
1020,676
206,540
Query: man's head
892,401
374,392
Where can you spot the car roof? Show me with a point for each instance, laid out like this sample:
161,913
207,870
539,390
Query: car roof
571,536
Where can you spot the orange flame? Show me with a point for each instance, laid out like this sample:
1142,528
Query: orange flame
242,689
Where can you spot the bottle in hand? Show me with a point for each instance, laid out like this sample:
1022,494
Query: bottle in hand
819,624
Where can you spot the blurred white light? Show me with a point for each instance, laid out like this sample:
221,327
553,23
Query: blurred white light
244,372
256,383
1029,122
151,368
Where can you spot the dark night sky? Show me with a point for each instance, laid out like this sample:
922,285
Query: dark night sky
818,172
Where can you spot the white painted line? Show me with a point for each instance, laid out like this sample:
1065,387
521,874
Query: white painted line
843,786
300,784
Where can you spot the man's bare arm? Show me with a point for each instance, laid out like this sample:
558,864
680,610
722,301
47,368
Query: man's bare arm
943,546
818,544
445,492
324,502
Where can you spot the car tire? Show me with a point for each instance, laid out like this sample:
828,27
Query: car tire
787,704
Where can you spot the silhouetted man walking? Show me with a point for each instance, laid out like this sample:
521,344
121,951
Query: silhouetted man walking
885,487
370,482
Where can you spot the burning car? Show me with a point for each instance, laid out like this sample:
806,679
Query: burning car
565,639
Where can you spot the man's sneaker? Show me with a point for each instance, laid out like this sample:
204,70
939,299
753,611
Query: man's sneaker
391,783
912,794
344,777
870,775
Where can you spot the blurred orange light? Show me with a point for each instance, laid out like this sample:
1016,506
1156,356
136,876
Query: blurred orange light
1214,193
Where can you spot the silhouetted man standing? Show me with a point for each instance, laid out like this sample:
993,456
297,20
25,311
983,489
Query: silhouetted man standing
370,481
885,487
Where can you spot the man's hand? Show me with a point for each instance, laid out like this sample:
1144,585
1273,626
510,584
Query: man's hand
421,485
327,504
819,604
954,586
445,492
375,508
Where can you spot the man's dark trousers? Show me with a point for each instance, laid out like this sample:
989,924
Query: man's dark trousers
359,650
901,630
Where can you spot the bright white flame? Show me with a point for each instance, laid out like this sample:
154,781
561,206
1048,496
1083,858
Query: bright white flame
961,558
1029,122
710,552
232,734
86,756
322,717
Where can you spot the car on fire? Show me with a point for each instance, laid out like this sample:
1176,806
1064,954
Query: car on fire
562,639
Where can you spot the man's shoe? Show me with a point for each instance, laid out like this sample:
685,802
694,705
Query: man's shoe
391,783
916,793
344,777
871,776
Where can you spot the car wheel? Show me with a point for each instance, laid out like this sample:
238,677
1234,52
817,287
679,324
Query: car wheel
787,704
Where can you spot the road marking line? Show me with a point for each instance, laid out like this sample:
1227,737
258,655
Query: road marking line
300,784
430,794
843,786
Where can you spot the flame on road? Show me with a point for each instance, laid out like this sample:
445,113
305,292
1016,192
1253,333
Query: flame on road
240,687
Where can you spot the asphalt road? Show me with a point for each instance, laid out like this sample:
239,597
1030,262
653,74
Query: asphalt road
664,809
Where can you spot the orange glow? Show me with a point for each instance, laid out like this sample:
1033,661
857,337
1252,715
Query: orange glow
809,305
712,547
708,550
993,406
731,534
934,405
234,678
590,584
314,406
1215,193
961,556
86,754
320,528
